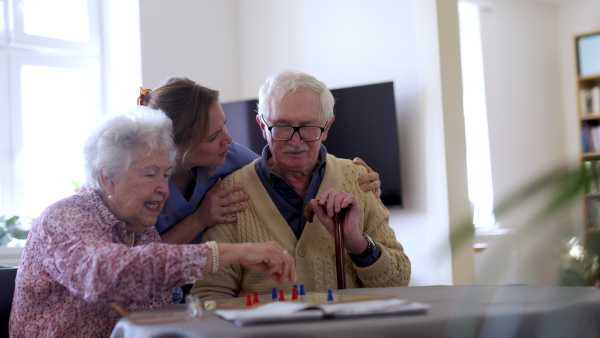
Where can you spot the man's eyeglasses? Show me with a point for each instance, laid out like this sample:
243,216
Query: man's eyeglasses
285,133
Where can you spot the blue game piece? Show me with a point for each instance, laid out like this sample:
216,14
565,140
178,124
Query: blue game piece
329,295
302,294
274,295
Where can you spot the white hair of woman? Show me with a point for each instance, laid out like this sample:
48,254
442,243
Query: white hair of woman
112,145
286,81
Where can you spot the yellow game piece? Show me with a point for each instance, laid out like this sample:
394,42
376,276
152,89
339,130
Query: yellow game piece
210,305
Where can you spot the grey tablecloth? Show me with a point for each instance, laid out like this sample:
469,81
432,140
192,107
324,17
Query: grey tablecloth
456,311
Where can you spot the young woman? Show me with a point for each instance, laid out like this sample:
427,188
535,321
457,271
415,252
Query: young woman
205,154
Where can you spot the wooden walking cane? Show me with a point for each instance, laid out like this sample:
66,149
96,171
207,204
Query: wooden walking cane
338,235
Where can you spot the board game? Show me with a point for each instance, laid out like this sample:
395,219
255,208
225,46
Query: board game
281,306
311,297
299,305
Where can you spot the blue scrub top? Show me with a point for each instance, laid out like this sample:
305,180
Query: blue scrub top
178,208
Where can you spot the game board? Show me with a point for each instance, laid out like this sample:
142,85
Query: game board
312,298
281,306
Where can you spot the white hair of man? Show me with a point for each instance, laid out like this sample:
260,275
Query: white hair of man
286,81
112,145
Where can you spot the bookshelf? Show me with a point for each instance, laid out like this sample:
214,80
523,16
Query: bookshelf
587,47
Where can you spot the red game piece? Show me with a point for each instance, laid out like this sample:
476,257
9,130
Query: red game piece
248,300
281,298
256,300
294,294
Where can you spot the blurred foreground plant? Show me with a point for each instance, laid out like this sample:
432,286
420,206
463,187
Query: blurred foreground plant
577,266
559,189
11,229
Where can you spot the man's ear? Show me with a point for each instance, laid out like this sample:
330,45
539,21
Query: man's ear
262,126
324,136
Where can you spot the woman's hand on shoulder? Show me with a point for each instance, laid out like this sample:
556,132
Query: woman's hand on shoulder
370,181
217,204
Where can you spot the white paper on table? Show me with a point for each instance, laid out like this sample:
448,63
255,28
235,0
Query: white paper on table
286,311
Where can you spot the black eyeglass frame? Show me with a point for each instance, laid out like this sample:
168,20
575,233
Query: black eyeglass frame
296,129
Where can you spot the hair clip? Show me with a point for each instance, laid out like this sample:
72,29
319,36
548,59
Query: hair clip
143,98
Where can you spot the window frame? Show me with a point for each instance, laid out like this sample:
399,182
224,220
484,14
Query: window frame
17,49
5,166
3,23
18,58
5,144
18,37
119,58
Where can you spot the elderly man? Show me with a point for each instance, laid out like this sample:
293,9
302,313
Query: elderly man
295,112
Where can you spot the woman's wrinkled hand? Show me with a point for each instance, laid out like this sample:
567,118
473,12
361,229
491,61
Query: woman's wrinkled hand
267,257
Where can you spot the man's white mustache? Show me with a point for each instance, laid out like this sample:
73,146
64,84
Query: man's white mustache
292,149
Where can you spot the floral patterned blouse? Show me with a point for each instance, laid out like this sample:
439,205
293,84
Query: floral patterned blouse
76,263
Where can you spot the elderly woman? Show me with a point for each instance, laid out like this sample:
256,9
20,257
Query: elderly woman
100,245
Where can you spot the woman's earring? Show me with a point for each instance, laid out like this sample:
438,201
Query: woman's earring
109,196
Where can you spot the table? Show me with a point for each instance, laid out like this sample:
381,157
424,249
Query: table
456,311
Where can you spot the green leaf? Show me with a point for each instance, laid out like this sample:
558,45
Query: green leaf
4,237
12,222
19,233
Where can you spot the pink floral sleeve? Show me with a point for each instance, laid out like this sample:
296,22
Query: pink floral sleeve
76,263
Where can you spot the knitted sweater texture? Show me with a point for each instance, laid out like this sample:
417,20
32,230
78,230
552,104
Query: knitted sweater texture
314,252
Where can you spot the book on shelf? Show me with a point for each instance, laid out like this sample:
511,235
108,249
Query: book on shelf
589,101
592,172
592,207
594,214
588,132
582,102
584,140
595,166
590,138
594,139
596,204
595,94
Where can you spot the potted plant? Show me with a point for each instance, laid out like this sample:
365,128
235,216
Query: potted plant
11,229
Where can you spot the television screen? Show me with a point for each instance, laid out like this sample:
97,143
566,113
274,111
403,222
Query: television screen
365,126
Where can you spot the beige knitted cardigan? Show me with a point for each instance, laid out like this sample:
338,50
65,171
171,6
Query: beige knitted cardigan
314,252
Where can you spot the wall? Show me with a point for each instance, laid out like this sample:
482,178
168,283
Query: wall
527,136
198,39
530,82
121,49
574,18
344,43
459,207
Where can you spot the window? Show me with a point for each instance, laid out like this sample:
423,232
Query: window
476,127
50,99
41,19
4,122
